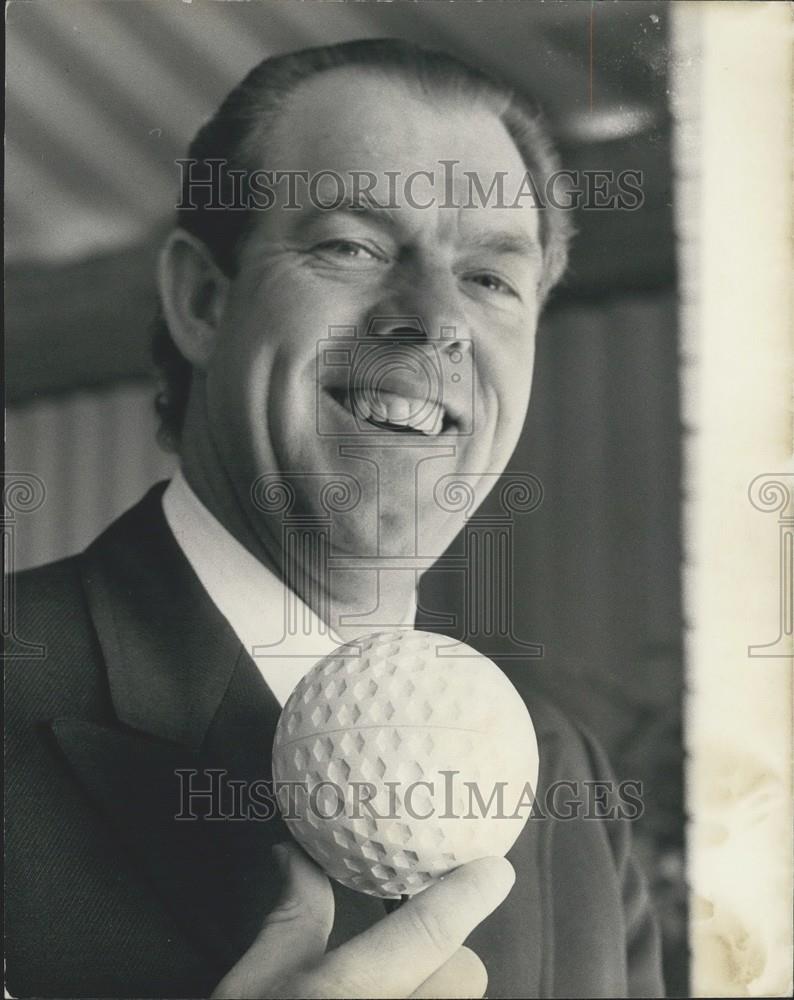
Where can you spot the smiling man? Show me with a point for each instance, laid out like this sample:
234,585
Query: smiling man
168,651
402,264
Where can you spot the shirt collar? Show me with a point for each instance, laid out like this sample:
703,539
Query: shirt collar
282,633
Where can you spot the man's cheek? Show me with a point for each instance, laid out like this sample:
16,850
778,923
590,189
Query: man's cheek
503,375
506,403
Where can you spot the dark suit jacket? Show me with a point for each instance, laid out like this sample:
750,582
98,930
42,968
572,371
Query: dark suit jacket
108,895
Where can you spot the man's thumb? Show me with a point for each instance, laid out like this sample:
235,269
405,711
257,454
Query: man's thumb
294,934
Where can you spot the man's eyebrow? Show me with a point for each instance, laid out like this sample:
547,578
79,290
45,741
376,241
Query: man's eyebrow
363,206
499,242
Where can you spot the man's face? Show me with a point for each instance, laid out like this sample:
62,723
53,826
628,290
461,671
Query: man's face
399,420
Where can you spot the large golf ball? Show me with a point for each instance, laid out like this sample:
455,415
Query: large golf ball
399,757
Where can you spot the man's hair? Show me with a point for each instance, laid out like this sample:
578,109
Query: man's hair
237,135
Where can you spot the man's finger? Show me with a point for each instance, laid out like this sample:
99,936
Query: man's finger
294,934
463,977
407,947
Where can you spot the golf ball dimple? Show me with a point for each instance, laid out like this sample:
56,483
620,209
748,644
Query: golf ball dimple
399,757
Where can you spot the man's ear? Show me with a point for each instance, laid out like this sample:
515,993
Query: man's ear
193,292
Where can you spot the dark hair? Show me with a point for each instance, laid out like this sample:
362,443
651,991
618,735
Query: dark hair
235,135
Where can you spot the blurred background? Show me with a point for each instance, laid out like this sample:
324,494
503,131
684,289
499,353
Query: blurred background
102,97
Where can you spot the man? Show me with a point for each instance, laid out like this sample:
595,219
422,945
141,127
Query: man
166,652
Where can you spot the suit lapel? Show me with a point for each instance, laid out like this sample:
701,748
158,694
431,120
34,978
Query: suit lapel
189,701
170,653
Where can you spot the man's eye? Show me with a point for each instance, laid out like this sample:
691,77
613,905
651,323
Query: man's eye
349,249
493,283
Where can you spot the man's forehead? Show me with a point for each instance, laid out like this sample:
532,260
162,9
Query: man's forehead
358,119
361,137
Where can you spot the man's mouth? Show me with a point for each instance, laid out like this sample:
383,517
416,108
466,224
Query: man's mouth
391,411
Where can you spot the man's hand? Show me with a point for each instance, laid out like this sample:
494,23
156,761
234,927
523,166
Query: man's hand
416,951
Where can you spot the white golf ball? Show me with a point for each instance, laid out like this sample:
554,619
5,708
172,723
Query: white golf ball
402,755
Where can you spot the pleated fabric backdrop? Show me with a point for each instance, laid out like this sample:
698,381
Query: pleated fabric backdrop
96,454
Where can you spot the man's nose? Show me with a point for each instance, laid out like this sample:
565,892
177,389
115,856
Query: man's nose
425,308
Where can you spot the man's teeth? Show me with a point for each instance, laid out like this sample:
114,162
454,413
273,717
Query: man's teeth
393,409
399,410
432,423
